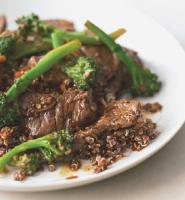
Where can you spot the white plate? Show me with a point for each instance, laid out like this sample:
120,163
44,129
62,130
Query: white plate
156,46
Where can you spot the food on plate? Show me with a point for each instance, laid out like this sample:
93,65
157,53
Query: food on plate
60,98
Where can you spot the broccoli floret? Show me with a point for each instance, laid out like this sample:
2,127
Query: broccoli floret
144,83
27,162
31,24
7,41
83,71
49,148
9,114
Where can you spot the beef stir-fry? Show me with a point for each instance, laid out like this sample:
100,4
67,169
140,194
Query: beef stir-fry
60,98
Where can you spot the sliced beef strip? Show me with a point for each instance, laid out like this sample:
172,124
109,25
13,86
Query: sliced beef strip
41,125
73,110
32,104
62,24
118,115
117,85
38,112
2,23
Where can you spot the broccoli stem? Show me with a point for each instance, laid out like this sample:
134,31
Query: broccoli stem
43,142
23,49
42,66
57,39
82,36
145,83
85,39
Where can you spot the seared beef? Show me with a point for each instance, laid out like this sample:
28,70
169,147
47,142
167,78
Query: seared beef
41,125
62,24
38,112
45,113
118,115
2,23
117,85
75,109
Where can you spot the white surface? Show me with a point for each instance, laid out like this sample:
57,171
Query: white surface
162,176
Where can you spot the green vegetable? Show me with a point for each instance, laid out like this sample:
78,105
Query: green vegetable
9,115
23,49
28,162
7,40
14,47
90,40
54,145
83,71
57,39
32,25
144,82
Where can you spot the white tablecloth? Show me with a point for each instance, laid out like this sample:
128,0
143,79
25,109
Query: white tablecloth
160,177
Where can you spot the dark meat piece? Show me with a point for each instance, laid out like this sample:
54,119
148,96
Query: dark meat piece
32,104
62,24
41,125
45,113
75,109
55,76
2,23
116,86
118,115
38,112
